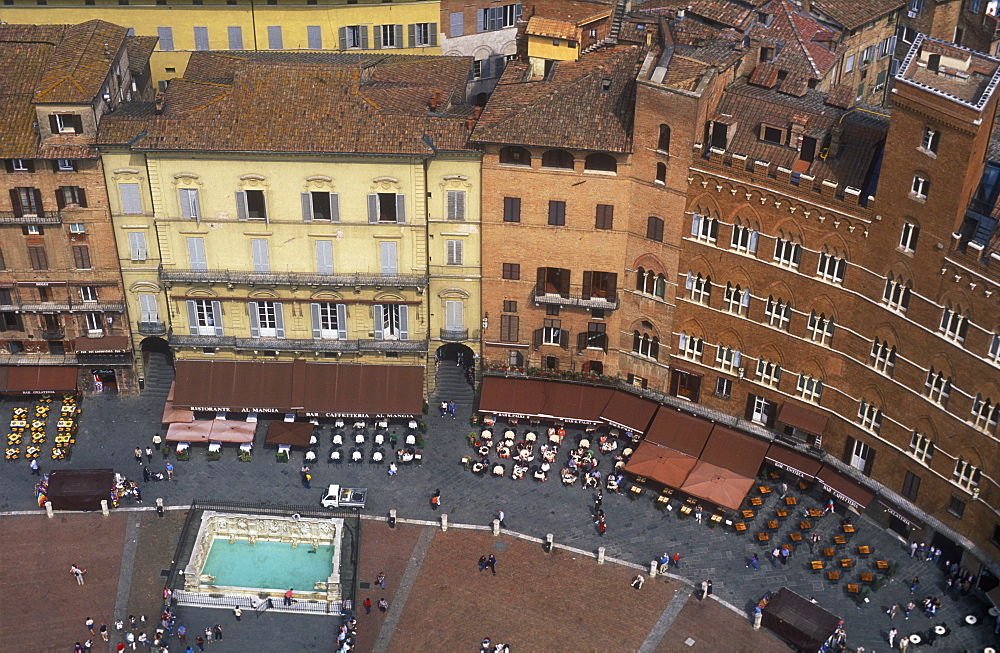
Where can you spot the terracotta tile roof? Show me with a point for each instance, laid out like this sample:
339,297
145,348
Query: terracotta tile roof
855,13
971,81
22,65
125,124
309,102
80,63
577,12
841,96
569,108
750,106
803,44
139,49
552,28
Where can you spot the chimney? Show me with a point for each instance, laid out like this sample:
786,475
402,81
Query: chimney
807,6
435,100
470,123
836,133
159,103
478,111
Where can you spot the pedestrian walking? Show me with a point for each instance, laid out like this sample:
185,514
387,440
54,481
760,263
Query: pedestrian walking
145,474
909,608
830,507
217,632
444,408
500,518
307,480
182,634
89,623
602,526
913,549
383,605
436,499
893,611
138,455
35,469
451,409
914,584
937,555
676,560
88,646
813,541
598,500
157,441
482,563
238,613
170,471
130,639
922,551
704,590
368,605
78,573
381,580
200,641
754,563
288,597
142,639
149,454
784,491
785,552
775,556
709,592
638,581
491,562
104,631
698,513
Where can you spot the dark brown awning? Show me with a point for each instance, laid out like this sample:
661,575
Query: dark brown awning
662,464
844,488
803,418
793,461
296,434
526,398
312,389
627,411
37,379
740,453
679,431
106,345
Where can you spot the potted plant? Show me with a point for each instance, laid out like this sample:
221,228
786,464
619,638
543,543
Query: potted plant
282,457
422,426
245,456
184,454
212,456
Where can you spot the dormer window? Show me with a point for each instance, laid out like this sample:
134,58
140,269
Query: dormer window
20,165
65,165
771,134
66,123
605,85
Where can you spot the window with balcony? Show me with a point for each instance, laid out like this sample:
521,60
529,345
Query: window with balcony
26,202
645,344
896,294
650,283
94,325
727,358
88,293
787,252
985,414
329,321
809,388
266,319
552,281
737,300
921,448
699,288
778,312
768,373
954,324
831,268
745,239
966,475
691,347
600,285
320,206
654,229
937,387
391,322
883,356
869,416
205,317
704,228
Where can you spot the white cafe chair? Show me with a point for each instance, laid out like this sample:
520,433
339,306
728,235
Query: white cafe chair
335,456
379,439
338,439
411,439
356,456
359,438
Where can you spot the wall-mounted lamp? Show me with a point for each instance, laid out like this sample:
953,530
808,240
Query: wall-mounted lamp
486,320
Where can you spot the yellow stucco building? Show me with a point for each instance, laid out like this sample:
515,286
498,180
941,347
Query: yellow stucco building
323,209
183,27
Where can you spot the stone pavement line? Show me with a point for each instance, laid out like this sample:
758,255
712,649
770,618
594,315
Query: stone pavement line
128,557
405,585
662,625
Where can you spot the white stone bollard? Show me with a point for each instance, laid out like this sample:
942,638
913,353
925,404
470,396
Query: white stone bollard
444,521
549,543
600,555
104,507
48,509
653,566
496,527
757,616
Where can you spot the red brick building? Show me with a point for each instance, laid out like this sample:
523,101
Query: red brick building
61,299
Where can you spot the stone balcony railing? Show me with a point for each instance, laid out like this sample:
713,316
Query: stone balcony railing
454,335
297,344
48,217
570,299
244,278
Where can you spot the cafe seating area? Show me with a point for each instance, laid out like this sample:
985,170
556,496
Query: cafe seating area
29,428
375,442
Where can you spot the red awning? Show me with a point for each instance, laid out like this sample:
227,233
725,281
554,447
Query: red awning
803,418
793,461
173,415
679,431
217,430
720,485
106,345
526,398
234,386
735,451
37,379
844,488
662,464
627,411
296,434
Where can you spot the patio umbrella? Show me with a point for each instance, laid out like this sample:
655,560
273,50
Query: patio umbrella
662,464
719,485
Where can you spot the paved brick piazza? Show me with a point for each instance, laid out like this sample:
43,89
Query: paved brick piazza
438,599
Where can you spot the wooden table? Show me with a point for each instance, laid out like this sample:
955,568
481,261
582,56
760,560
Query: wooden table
833,575
852,588
791,501
763,537
662,500
816,565
773,525
686,510
740,527
882,565
764,489
795,537
774,475
829,552
747,514
781,513
839,539
846,563
864,550
848,528
804,525
867,577
815,514
756,501
715,518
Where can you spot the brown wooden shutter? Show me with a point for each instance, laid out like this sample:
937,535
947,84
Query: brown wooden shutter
612,285
848,449
15,203
536,338
588,282
748,413
61,197
53,123
539,280
564,283
77,124
81,197
869,462
564,338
